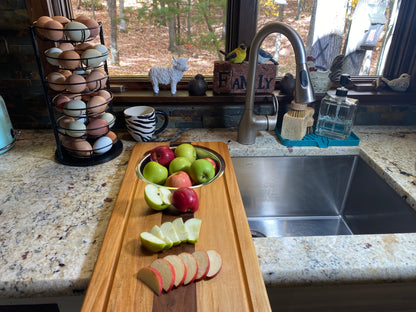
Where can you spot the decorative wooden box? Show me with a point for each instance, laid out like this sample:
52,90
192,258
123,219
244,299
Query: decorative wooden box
231,78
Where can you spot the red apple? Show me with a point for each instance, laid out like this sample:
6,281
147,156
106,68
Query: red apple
162,154
215,263
180,268
152,278
212,161
191,267
166,271
178,179
202,260
185,199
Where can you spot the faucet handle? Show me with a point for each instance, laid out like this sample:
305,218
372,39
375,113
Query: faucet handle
272,119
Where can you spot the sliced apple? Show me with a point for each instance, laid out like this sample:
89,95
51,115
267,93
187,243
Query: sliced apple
151,242
202,260
191,267
193,227
180,268
166,271
169,231
152,278
180,229
215,263
157,197
156,231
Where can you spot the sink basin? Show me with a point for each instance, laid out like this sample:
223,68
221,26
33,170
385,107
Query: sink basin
319,195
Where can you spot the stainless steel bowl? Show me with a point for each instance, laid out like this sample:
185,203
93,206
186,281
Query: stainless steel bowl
201,152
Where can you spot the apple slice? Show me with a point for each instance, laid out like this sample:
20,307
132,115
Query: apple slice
215,263
202,260
166,271
152,278
169,231
156,231
180,229
151,242
191,267
193,227
180,268
157,197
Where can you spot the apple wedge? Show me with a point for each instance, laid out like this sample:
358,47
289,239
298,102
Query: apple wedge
180,229
193,227
157,197
191,267
169,231
166,271
151,242
152,278
202,260
156,231
180,268
215,263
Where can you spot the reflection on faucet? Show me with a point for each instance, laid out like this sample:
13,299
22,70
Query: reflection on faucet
250,123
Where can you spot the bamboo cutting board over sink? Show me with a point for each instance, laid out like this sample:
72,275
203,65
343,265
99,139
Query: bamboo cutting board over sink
239,286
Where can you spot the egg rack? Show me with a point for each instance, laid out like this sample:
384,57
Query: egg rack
79,110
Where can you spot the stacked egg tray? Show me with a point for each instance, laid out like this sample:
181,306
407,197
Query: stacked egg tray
77,90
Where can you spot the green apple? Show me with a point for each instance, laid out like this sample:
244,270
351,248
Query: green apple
156,231
180,229
157,197
151,242
179,164
193,227
186,150
155,172
169,231
201,171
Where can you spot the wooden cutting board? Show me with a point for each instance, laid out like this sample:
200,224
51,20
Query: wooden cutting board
238,287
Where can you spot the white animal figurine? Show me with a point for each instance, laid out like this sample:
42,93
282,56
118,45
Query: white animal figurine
168,74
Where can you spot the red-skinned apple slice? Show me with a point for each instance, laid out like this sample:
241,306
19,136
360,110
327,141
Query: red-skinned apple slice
191,267
166,271
180,268
152,278
215,263
202,260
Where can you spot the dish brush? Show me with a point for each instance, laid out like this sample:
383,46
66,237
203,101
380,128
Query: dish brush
310,121
295,122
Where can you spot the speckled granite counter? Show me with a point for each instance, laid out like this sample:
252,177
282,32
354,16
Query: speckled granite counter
53,217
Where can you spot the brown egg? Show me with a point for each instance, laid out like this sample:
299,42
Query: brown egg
64,122
60,101
75,83
65,72
54,30
79,48
97,127
81,147
66,46
112,136
105,94
96,80
75,96
69,60
96,105
93,27
41,23
56,81
61,19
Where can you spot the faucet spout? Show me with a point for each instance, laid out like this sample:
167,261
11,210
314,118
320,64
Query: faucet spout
250,123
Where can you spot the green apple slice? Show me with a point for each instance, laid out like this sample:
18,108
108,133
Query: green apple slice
156,231
169,231
193,227
157,197
180,229
151,242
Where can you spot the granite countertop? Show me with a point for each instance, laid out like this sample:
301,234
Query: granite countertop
53,217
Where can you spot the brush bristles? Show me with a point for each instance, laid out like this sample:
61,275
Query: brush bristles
297,113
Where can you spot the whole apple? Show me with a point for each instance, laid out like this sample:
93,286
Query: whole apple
179,164
178,179
186,150
201,171
155,172
162,154
212,161
185,199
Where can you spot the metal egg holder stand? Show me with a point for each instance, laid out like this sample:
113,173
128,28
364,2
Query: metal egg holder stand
63,154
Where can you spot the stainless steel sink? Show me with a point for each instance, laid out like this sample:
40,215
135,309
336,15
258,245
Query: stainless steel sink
319,195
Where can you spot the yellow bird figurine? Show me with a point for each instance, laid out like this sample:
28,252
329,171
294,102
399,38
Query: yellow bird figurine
238,55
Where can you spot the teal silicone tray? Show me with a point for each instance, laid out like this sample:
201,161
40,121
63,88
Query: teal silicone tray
312,139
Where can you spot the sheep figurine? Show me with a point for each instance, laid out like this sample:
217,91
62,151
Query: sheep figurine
168,74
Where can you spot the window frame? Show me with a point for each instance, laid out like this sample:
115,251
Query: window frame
241,26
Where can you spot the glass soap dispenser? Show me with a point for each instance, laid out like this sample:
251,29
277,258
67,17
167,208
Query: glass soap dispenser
337,113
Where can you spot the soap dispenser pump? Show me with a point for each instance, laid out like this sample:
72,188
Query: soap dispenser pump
337,113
